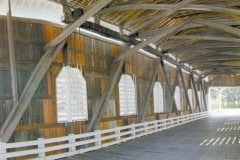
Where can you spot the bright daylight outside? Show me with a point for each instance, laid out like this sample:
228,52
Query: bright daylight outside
224,100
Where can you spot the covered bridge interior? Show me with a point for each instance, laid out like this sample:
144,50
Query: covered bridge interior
76,66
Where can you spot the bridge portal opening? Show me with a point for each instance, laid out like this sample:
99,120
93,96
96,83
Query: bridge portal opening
224,100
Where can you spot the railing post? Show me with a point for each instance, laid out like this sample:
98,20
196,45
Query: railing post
145,127
165,124
133,130
117,133
178,120
72,141
98,137
156,125
3,150
172,123
41,146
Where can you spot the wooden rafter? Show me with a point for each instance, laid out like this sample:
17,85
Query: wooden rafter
209,56
212,66
150,33
162,15
226,28
203,45
216,59
153,39
206,37
199,7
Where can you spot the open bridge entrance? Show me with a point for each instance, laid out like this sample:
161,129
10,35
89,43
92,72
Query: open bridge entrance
224,100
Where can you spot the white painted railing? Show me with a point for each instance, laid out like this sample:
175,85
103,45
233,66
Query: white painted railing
72,144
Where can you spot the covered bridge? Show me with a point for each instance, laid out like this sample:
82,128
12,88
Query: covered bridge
79,75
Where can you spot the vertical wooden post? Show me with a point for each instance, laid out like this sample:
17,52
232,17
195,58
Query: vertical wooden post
156,125
133,131
117,133
145,127
12,56
98,137
72,141
41,145
3,150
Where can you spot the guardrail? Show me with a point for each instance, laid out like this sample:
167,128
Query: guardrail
72,144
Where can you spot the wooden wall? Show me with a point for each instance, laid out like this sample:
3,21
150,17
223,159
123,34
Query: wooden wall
93,57
226,80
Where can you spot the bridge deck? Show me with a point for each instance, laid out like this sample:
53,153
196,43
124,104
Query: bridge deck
213,138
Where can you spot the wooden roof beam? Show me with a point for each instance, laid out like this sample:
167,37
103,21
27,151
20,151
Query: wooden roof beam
162,15
197,37
226,22
212,66
220,72
210,54
161,35
226,28
196,47
220,60
198,7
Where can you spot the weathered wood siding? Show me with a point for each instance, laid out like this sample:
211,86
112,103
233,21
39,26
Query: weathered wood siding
226,80
94,58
